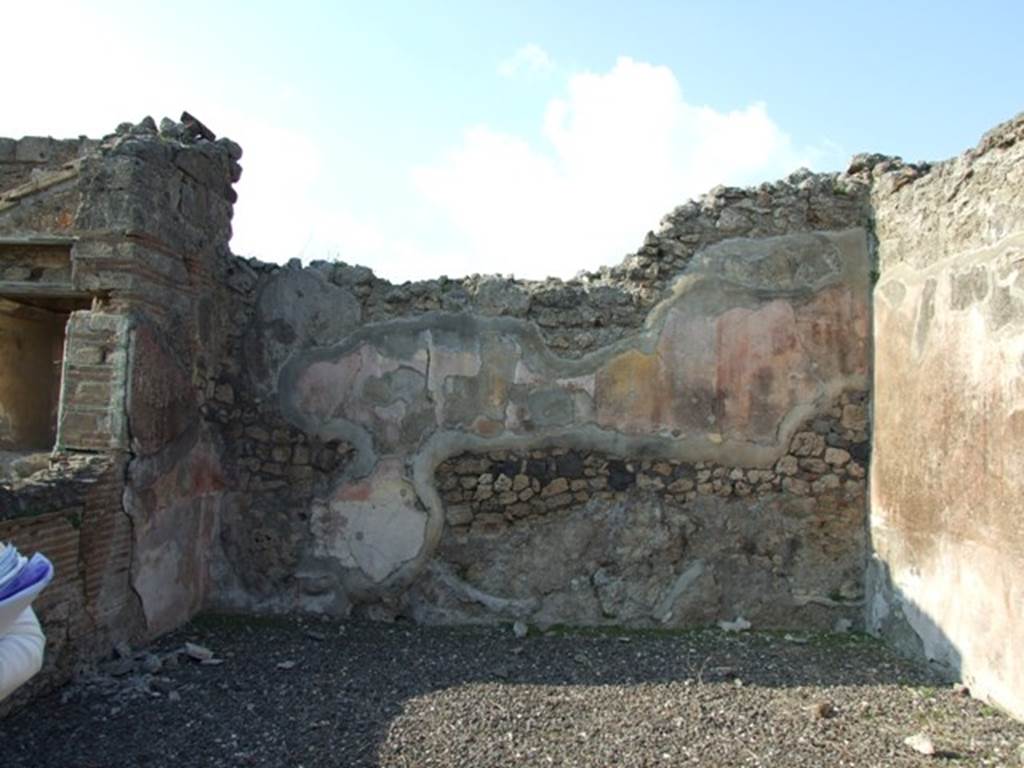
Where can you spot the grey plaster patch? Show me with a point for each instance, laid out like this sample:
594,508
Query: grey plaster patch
893,291
1005,307
683,582
294,309
968,287
551,407
494,604
404,383
792,262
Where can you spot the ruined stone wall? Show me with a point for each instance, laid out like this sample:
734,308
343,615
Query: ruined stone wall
730,346
141,220
675,441
275,471
566,536
947,523
597,308
73,512
24,162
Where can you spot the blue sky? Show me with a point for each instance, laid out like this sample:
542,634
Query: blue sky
531,138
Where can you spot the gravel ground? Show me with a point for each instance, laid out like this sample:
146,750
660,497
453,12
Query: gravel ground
288,692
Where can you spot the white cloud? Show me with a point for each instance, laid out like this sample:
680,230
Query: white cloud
619,150
531,58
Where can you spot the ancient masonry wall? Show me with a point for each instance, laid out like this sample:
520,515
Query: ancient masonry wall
72,511
947,517
679,440
125,239
736,335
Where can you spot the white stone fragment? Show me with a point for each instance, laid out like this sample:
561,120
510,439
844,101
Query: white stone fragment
920,742
198,652
739,625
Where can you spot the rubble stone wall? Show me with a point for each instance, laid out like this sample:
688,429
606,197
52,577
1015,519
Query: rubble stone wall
141,220
73,512
566,536
740,326
22,161
947,518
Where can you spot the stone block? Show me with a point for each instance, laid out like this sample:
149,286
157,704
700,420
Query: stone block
836,456
808,443
557,486
814,465
557,502
788,465
33,149
796,486
459,514
855,417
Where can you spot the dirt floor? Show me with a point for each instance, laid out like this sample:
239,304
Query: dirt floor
288,692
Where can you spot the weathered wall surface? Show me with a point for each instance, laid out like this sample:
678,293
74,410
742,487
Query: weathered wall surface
39,162
563,535
734,345
947,521
142,219
73,512
677,440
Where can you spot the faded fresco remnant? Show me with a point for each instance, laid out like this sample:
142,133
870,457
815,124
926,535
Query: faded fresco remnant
725,369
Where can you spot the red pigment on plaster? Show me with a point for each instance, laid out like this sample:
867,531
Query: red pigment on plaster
355,492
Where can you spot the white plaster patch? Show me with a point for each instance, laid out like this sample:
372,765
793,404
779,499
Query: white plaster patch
976,346
157,579
372,525
577,383
512,421
583,407
525,375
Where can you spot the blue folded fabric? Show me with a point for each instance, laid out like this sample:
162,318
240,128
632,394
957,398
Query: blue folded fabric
36,570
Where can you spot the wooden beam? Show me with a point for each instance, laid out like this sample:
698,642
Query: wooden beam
37,240
12,289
